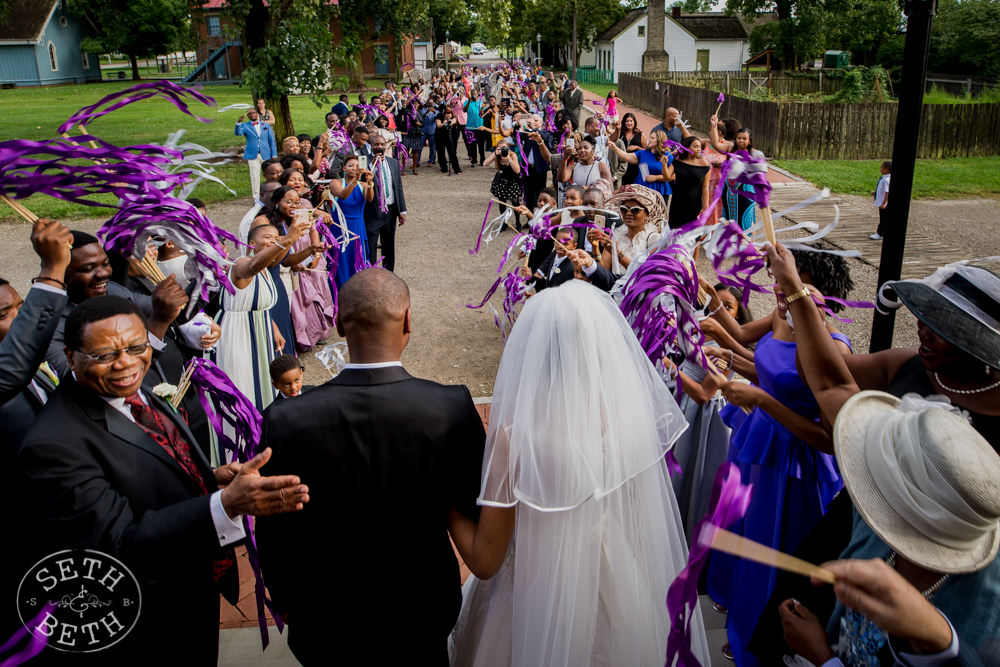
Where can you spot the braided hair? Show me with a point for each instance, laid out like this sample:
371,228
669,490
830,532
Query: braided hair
830,274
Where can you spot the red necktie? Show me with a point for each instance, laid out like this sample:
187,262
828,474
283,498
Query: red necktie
162,430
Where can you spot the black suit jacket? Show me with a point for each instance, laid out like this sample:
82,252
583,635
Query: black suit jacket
376,219
366,572
97,480
565,272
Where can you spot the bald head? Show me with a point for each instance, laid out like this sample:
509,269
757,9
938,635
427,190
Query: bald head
374,314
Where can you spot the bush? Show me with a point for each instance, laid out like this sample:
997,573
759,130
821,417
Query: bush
863,84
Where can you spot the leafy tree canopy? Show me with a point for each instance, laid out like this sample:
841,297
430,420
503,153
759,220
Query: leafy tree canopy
137,28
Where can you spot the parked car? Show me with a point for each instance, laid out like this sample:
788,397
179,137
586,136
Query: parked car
478,49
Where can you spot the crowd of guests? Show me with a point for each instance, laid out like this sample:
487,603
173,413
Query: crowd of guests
881,467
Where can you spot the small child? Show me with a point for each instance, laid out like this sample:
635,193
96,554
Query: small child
611,103
286,376
881,195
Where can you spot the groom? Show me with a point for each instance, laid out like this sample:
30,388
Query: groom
365,574
261,146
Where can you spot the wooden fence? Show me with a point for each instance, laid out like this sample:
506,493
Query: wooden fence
826,131
748,82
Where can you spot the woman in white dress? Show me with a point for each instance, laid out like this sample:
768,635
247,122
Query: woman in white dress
579,426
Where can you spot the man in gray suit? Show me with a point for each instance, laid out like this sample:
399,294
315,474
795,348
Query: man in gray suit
26,327
381,224
572,100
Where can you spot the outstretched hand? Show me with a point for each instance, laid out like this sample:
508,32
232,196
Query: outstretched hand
251,493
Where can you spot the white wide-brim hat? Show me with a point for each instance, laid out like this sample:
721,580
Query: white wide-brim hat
923,479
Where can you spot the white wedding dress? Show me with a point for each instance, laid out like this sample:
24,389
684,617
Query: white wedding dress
579,426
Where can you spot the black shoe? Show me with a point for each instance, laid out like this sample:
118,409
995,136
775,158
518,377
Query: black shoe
444,171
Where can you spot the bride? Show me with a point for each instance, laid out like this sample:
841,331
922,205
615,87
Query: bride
579,426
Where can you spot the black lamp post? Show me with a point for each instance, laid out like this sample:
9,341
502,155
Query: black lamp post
447,46
920,14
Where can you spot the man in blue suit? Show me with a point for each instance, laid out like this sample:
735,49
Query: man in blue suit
260,146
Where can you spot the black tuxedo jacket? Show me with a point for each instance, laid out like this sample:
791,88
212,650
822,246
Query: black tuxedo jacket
565,272
97,480
374,218
366,572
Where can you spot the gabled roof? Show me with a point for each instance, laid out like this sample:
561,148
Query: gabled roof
26,19
621,25
712,25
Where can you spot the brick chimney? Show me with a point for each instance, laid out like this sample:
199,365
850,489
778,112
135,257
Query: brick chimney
655,58
675,11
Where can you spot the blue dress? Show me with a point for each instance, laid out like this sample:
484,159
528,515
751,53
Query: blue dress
793,483
655,169
355,257
281,313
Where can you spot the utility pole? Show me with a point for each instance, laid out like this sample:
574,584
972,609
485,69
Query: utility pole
574,40
920,14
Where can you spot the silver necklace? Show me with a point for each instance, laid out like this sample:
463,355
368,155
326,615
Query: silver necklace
937,378
927,593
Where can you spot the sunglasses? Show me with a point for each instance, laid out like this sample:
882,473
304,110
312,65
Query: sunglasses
633,210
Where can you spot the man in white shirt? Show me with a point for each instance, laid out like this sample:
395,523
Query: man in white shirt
881,195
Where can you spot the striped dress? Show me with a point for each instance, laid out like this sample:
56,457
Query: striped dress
246,347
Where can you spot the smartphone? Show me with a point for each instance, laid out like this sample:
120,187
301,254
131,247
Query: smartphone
600,220
644,170
571,143
362,161
302,214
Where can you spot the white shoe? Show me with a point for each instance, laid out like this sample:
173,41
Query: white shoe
875,237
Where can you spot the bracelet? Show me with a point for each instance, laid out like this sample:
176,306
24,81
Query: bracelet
51,280
792,298
280,246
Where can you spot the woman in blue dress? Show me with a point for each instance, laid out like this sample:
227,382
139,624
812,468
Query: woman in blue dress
781,449
650,161
354,190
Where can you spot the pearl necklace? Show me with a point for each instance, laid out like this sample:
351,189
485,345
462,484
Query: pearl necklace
988,387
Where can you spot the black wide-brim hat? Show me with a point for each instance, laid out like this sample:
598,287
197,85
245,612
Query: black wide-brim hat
963,309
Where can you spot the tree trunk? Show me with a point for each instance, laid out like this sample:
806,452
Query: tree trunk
357,74
282,118
135,67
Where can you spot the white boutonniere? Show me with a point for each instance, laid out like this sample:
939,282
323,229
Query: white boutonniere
165,390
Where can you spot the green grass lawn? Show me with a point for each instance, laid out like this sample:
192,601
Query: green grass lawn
35,113
953,178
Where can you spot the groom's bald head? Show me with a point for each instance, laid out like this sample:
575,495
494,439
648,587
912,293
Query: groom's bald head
374,311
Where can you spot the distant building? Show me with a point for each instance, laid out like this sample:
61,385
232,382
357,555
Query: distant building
40,46
222,60
692,42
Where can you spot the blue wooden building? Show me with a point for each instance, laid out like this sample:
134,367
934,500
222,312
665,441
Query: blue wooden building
40,46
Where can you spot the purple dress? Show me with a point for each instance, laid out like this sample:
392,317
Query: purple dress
793,483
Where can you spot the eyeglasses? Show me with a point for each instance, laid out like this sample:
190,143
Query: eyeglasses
112,355
633,210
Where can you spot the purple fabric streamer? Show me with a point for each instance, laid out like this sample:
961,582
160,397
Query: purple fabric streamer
658,300
136,221
751,171
550,119
52,168
734,257
730,499
482,230
224,404
470,137
721,98
167,89
35,645
379,168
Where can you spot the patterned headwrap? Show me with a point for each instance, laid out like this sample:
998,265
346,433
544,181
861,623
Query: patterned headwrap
651,200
